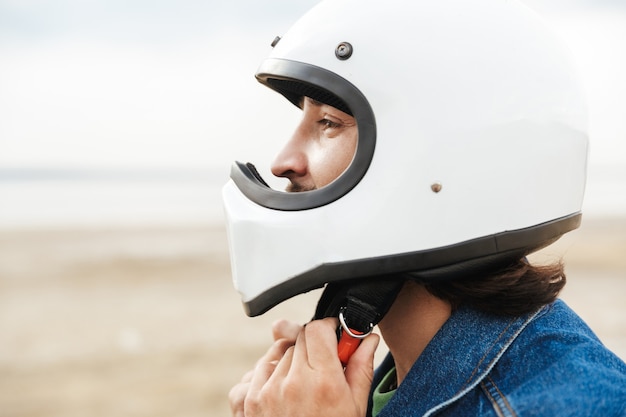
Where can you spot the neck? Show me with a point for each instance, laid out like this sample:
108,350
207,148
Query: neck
412,321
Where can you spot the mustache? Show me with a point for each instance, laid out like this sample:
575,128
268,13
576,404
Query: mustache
294,187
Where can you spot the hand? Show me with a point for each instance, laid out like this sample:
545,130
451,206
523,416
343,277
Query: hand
307,379
284,333
285,329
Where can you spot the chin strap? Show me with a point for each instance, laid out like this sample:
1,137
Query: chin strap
359,305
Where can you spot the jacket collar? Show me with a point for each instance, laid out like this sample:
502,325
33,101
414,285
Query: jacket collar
456,360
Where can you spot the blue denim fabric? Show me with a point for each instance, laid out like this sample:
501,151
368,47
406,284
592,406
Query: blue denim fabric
548,363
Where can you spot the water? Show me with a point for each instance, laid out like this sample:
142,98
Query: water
57,198
65,198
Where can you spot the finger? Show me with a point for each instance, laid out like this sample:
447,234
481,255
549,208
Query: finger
285,329
238,393
300,353
320,344
283,367
267,364
236,398
276,351
247,377
360,369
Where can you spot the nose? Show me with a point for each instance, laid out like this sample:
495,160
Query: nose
292,162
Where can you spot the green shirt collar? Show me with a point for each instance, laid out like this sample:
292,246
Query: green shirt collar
384,391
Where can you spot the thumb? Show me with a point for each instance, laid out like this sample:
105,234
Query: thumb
360,369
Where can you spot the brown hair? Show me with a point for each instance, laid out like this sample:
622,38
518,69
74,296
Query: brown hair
517,289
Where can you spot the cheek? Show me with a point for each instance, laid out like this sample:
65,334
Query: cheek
331,159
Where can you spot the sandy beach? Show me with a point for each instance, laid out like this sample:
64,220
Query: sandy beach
145,322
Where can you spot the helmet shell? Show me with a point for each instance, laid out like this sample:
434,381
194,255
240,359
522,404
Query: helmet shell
472,147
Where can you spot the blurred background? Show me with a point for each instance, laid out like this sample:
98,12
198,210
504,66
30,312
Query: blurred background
119,122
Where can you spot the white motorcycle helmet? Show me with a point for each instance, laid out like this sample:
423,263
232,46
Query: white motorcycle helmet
472,147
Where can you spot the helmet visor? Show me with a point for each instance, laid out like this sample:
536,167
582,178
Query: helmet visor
298,82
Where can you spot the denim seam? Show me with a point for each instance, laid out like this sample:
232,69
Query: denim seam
462,392
485,355
492,400
500,404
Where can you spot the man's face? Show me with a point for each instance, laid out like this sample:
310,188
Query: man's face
320,149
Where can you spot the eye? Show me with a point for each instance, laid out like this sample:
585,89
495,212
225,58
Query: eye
329,124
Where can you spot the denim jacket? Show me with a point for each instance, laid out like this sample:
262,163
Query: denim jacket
548,363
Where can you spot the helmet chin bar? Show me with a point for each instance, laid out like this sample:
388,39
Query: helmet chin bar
256,174
250,183
450,262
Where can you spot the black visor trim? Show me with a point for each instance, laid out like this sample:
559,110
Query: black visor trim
295,90
485,254
293,80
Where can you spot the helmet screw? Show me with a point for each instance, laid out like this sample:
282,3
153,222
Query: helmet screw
436,187
343,51
275,41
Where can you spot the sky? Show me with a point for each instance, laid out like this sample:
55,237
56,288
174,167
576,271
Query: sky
129,84
169,84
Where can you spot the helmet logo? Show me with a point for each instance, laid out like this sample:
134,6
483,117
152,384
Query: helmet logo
343,51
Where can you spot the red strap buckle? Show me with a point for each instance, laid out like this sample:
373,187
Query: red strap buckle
349,340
